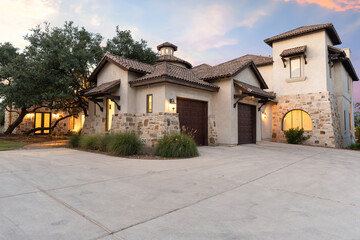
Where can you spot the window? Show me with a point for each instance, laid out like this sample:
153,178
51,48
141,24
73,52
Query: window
297,118
295,67
149,103
42,120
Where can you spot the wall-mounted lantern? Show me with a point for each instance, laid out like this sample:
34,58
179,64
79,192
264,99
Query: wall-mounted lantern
263,115
172,104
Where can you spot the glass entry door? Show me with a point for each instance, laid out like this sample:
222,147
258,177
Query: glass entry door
42,120
110,110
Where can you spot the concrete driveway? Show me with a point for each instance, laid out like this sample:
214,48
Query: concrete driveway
264,191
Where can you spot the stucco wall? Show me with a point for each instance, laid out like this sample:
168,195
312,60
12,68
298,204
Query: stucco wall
315,70
266,122
158,92
268,75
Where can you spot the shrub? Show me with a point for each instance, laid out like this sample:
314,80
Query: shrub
295,136
123,144
355,146
90,141
103,142
357,134
74,141
176,146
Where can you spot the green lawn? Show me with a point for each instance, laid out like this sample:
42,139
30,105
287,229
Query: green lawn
8,145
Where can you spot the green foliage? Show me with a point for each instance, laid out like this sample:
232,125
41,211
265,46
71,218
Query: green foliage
357,133
75,141
124,45
176,146
295,136
124,144
2,116
355,146
357,115
9,145
90,141
7,53
104,141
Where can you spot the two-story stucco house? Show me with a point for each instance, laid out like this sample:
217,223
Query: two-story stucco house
313,82
306,84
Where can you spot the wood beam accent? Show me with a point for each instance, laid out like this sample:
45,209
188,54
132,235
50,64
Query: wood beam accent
114,99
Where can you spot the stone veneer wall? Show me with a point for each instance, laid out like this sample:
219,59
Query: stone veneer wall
28,123
323,110
94,124
149,127
212,133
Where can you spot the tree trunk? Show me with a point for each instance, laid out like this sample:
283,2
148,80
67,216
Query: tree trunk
19,120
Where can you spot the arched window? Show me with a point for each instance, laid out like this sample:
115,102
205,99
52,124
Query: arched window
297,118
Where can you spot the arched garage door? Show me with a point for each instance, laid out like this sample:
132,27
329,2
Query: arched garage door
246,124
193,115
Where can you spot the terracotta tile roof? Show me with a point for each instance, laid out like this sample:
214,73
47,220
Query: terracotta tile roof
328,27
293,51
167,44
130,64
201,70
229,68
103,89
169,70
171,58
258,59
125,63
253,90
232,67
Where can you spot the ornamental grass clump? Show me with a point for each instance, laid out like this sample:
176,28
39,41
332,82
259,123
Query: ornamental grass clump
176,146
90,141
295,136
355,146
74,141
124,144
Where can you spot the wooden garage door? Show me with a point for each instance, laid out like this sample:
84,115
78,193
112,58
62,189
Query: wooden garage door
246,124
193,115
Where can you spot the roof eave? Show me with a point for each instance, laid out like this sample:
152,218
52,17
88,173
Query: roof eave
335,39
166,79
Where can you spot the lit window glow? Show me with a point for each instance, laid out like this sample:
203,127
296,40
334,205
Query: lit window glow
297,119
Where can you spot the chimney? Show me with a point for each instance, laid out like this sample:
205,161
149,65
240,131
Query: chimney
348,52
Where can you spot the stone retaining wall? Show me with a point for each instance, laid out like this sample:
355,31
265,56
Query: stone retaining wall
321,107
149,126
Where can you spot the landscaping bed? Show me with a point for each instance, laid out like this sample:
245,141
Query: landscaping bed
129,145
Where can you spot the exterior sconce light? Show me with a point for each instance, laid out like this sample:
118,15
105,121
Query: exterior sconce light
55,115
263,115
172,104
30,115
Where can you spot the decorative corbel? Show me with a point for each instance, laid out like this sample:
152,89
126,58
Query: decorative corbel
284,61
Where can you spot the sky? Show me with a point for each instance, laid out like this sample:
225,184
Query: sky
205,31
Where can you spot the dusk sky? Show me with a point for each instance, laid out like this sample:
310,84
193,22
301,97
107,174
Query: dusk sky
205,31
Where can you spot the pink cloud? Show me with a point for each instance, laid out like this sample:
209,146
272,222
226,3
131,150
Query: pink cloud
336,5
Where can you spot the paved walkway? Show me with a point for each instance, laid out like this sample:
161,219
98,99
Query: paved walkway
264,191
